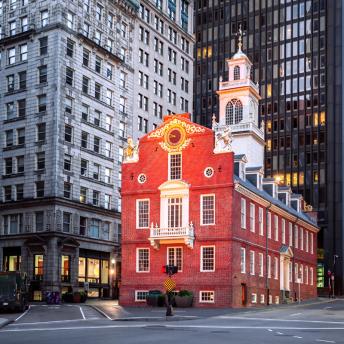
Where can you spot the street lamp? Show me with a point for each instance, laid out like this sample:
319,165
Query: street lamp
335,257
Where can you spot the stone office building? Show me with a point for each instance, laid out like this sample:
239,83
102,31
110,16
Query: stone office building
163,60
65,80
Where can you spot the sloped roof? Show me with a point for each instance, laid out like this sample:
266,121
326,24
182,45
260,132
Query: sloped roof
274,201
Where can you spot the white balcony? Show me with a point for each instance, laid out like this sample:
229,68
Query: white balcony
241,128
177,235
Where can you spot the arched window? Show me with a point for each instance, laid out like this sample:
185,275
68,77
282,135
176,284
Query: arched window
234,112
236,73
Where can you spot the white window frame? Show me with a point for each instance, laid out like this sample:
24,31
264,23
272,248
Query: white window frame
312,243
262,298
283,231
301,239
276,268
306,274
269,266
290,234
137,212
261,264
269,225
243,213
296,237
253,298
252,217
261,221
243,260
307,240
201,258
136,295
252,262
201,212
175,255
206,301
137,259
276,227
169,166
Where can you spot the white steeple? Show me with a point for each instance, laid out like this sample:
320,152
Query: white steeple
238,108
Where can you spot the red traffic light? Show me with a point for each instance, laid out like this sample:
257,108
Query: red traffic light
169,269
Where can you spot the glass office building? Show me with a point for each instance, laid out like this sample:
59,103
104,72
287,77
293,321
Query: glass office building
295,47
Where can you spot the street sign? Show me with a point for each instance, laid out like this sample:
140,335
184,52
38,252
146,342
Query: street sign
86,286
169,284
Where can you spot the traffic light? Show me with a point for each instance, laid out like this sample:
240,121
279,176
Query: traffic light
169,269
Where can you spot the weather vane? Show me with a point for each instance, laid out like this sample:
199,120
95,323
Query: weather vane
240,34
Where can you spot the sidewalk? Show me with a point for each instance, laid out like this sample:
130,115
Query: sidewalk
4,322
113,311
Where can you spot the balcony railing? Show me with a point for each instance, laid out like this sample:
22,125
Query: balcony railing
241,127
184,235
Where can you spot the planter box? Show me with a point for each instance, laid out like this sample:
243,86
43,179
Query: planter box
183,301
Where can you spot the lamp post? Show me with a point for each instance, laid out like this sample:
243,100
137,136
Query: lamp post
335,257
112,274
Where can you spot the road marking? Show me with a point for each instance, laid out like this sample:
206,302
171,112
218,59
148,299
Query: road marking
101,312
325,341
282,320
279,333
269,329
52,322
23,314
298,337
328,307
295,314
82,313
171,326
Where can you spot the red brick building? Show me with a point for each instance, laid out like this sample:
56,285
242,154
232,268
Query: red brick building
187,200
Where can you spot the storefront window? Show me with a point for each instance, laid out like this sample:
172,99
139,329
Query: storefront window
93,270
105,272
82,269
65,268
38,266
12,263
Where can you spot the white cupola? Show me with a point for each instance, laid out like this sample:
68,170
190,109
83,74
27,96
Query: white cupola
238,108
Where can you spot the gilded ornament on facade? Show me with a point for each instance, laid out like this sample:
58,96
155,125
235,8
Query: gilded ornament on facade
131,152
189,128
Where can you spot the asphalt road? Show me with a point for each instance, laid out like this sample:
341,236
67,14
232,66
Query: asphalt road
319,323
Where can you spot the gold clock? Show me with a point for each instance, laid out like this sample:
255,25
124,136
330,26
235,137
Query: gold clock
175,137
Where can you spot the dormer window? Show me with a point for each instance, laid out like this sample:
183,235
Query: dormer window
236,73
234,112
175,166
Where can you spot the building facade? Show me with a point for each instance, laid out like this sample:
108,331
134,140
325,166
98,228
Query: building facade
188,201
65,68
295,48
163,62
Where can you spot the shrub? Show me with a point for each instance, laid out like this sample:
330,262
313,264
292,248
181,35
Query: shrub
185,293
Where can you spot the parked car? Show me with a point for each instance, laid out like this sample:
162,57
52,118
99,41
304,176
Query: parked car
13,291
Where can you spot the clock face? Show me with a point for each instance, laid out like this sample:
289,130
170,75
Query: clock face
174,137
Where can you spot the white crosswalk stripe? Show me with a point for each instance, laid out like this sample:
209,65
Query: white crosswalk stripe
91,314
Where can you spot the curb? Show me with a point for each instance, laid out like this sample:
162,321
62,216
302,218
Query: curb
5,323
148,319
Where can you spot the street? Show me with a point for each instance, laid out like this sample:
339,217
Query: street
322,322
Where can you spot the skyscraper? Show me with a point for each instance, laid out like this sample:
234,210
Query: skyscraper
61,107
295,47
163,62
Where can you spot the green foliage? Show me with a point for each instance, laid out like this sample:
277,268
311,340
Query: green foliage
185,293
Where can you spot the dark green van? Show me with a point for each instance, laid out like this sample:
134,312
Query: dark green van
13,291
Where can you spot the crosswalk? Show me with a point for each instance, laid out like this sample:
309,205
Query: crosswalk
91,314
